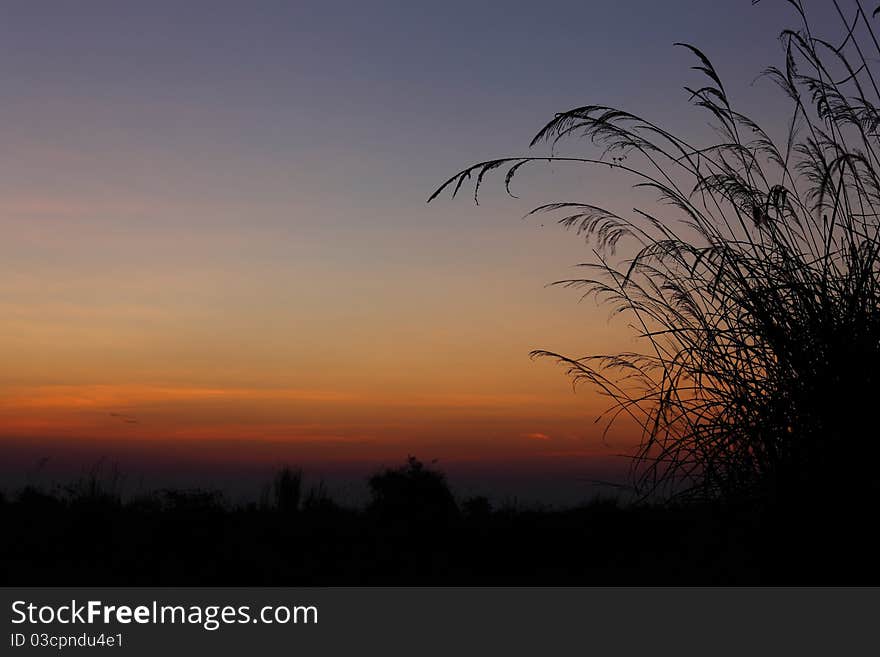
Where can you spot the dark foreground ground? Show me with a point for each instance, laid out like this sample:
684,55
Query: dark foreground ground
415,532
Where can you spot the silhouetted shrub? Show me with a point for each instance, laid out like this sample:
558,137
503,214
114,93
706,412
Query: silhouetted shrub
414,493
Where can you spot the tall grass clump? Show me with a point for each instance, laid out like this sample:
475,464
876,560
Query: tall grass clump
753,281
285,491
99,487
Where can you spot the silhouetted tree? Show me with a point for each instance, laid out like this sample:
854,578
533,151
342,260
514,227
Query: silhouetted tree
412,492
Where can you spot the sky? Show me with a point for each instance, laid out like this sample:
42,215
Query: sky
216,250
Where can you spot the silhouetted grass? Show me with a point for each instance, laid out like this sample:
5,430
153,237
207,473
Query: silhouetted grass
753,283
100,486
286,490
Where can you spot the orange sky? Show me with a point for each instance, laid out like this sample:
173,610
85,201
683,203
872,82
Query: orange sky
222,244
131,324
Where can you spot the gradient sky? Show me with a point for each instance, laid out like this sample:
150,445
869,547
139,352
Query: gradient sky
215,243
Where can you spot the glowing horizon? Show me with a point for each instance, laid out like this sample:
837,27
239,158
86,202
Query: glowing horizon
215,229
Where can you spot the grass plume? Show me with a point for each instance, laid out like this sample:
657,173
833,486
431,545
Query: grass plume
758,302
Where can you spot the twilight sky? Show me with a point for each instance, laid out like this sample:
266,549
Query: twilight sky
215,243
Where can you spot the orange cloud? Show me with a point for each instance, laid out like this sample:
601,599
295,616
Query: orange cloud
115,396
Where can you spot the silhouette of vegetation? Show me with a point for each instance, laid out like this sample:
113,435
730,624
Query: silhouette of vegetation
478,507
753,280
287,490
99,487
318,500
413,493
71,536
758,302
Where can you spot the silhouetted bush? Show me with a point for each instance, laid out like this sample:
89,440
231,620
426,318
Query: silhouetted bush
414,493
